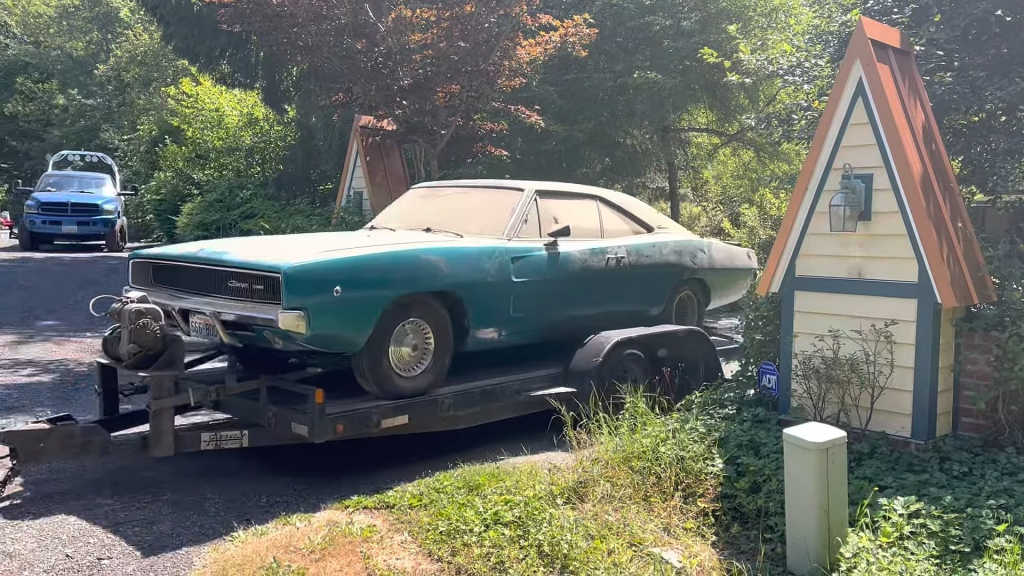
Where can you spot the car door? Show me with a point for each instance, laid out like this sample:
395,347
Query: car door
622,302
558,285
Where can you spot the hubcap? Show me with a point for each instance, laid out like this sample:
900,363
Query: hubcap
412,347
686,309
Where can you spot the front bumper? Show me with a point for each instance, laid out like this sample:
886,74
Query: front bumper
69,227
239,323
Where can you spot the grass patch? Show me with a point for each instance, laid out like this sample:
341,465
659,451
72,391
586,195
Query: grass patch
696,489
329,543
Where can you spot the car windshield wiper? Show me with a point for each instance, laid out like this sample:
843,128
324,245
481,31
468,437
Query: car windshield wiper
375,227
442,230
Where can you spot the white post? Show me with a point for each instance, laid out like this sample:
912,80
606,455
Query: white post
817,506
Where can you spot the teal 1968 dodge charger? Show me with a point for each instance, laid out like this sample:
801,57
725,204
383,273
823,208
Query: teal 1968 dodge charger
448,267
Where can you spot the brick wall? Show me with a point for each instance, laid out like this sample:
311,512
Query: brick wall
977,350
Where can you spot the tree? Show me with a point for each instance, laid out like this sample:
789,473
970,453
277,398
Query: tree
442,71
972,60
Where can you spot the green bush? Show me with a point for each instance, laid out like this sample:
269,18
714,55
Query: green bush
235,208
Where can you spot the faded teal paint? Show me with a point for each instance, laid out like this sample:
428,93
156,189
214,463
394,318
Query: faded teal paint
925,393
513,291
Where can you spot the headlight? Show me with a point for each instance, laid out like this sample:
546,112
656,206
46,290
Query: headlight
293,321
109,209
31,207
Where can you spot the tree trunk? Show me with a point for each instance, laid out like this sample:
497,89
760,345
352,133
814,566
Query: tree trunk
672,166
434,170
418,152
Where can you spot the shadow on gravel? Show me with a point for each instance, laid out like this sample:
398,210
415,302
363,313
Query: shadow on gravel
161,506
34,388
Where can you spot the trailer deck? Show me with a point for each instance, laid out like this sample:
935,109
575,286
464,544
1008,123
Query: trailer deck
213,404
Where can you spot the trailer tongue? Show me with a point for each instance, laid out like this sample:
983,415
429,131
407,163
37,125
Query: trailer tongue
206,401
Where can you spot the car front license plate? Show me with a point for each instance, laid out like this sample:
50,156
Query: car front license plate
201,326
69,229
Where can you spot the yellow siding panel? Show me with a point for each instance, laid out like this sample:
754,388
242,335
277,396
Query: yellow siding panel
860,115
881,248
877,308
815,323
873,268
944,424
947,351
903,354
858,246
859,134
891,423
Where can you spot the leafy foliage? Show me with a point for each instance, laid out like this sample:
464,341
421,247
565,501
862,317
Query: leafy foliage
438,70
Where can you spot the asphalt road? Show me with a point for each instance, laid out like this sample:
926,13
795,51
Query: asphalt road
133,515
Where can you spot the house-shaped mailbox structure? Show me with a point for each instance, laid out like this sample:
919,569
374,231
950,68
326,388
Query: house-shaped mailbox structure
375,172
913,256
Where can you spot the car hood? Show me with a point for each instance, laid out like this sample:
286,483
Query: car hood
274,253
70,197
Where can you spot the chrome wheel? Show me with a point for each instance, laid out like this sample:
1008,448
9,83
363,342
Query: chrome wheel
686,309
412,347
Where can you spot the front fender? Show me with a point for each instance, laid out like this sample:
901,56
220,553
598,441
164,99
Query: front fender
344,296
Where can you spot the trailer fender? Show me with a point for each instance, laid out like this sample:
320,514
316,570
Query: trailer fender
671,360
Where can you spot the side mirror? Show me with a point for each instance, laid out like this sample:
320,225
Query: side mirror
131,191
16,184
560,232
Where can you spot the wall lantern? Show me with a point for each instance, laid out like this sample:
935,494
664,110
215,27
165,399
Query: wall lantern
847,207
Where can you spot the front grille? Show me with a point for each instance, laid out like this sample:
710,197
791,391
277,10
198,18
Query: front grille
70,208
243,285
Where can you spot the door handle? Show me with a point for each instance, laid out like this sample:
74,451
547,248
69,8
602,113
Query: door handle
619,258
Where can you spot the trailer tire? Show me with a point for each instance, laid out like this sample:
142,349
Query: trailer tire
408,352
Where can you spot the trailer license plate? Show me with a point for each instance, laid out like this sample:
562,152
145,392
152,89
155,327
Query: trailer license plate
224,440
69,229
201,326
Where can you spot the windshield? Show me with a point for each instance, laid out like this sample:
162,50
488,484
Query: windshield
469,211
98,184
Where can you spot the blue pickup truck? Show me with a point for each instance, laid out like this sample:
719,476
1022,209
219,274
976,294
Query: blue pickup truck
83,204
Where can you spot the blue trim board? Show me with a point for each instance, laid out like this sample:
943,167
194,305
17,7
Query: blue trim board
925,395
886,288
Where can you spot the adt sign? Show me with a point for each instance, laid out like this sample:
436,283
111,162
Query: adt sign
768,380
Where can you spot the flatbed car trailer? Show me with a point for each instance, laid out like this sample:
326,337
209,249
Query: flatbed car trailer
241,410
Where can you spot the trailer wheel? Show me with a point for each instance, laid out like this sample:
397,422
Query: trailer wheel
409,350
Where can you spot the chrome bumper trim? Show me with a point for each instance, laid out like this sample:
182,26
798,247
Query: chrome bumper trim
227,310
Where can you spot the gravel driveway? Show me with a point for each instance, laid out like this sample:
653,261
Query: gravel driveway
127,515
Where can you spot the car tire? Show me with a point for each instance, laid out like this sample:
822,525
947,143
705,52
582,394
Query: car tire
116,239
685,307
26,240
409,351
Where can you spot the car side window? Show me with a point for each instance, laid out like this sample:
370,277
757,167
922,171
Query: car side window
530,227
579,212
616,224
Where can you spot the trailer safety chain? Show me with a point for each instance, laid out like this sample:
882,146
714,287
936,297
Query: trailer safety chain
11,472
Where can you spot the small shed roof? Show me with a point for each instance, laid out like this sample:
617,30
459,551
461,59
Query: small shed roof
883,57
383,163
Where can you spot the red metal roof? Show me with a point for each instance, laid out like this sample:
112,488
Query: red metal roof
919,158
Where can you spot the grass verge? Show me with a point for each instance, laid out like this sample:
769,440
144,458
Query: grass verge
692,490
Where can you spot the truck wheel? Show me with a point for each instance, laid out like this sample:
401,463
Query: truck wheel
26,240
685,307
116,239
409,350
